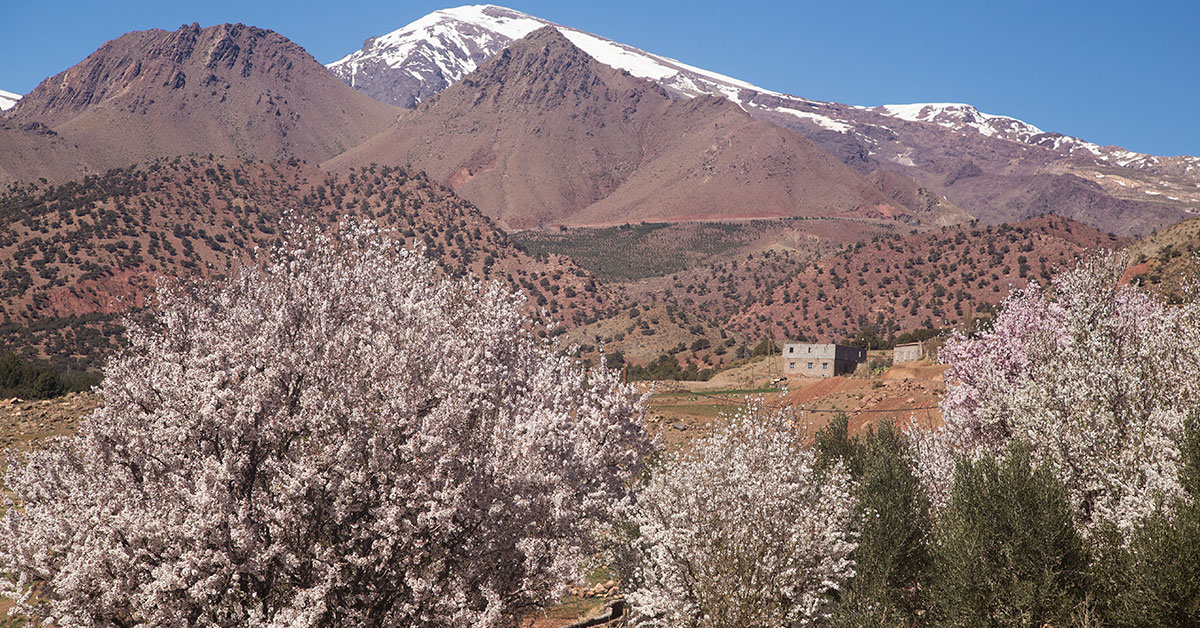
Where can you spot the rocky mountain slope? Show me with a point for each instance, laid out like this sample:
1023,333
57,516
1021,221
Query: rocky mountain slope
994,167
228,89
543,134
1167,261
32,151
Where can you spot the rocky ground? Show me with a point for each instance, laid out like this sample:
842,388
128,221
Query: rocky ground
24,423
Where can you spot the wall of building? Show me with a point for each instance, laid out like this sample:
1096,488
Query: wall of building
907,353
820,360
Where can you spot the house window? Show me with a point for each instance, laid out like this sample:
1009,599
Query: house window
792,365
825,366
810,366
791,349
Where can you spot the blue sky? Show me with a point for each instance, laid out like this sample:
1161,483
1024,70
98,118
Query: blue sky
1113,72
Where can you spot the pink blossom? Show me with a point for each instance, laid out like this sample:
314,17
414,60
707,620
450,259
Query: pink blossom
1094,375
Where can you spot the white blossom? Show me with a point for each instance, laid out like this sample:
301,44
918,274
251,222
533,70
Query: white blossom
335,438
741,531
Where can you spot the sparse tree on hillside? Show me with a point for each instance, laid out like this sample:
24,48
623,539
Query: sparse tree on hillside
338,438
1095,376
742,530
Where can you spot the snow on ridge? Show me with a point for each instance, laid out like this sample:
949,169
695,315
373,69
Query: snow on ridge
953,114
443,46
8,100
961,116
824,122
515,25
493,27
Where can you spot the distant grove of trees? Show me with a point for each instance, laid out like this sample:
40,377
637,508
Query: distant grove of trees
26,380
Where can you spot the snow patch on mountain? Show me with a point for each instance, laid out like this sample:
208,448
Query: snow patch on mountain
824,122
963,116
428,55
456,40
8,100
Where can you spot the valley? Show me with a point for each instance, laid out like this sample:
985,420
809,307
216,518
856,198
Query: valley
644,207
668,230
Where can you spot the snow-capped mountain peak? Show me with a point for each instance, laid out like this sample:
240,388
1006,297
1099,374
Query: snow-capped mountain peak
961,116
433,52
8,100
410,64
964,117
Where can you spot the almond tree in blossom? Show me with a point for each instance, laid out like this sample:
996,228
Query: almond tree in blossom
335,438
741,530
1097,377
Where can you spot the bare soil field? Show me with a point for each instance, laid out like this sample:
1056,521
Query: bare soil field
683,411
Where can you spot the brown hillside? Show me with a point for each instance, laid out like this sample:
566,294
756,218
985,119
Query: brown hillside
543,134
32,151
923,280
1166,260
95,247
1014,197
647,252
228,89
927,205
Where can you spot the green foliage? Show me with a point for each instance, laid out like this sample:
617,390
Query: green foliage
666,367
72,344
916,335
1005,551
892,559
766,347
1189,467
834,445
648,249
614,359
870,337
1156,581
26,380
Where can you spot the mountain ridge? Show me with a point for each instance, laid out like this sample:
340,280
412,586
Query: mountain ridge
543,134
228,89
924,141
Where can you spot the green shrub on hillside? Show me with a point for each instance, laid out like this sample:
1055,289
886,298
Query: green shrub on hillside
19,378
892,559
666,367
891,562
